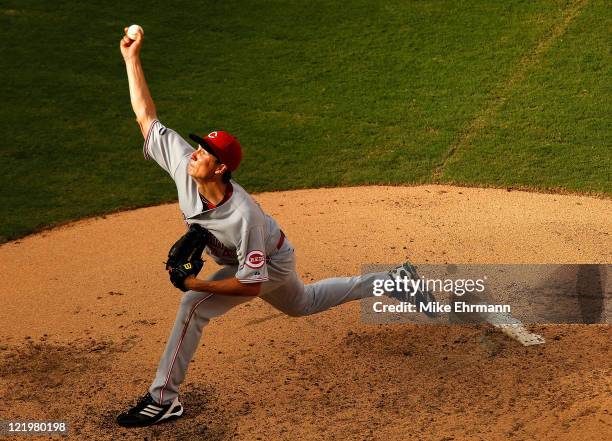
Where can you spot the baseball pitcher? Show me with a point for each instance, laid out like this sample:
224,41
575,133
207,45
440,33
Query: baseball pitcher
257,258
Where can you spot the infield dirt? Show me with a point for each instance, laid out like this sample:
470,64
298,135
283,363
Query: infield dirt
86,309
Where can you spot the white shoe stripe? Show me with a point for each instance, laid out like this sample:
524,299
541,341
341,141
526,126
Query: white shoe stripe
148,413
154,408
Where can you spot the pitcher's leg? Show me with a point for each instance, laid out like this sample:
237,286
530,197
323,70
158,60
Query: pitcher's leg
296,299
328,293
288,297
331,292
195,311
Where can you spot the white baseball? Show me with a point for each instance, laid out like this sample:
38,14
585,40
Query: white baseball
133,31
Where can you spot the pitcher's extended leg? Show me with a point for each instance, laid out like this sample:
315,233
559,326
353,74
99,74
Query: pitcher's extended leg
296,299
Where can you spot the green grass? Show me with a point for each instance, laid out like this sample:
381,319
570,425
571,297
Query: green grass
320,93
554,130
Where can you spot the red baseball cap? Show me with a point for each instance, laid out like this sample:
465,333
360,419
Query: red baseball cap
223,146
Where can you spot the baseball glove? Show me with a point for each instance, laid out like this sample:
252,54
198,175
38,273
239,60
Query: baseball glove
185,256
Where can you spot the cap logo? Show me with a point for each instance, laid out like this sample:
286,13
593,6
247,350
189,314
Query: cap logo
212,135
255,259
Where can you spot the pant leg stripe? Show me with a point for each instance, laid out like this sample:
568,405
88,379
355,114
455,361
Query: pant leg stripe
178,347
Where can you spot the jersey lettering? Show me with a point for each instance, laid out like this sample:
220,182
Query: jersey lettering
216,248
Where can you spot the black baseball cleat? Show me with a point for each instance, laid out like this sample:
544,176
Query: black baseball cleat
417,294
148,412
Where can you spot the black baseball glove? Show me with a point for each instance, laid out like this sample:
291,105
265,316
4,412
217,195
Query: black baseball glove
185,256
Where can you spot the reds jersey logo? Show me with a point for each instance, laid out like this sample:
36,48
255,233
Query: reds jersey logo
255,259
212,135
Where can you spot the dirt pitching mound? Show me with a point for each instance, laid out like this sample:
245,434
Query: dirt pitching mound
86,310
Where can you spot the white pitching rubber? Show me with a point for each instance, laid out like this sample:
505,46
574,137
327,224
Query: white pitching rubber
518,332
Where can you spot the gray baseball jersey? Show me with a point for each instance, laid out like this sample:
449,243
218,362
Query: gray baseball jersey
243,235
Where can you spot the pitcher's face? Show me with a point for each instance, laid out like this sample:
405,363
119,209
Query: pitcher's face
203,165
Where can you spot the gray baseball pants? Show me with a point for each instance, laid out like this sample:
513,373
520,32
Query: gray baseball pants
284,291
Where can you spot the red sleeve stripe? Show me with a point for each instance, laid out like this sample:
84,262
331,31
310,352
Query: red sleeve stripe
145,147
254,280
